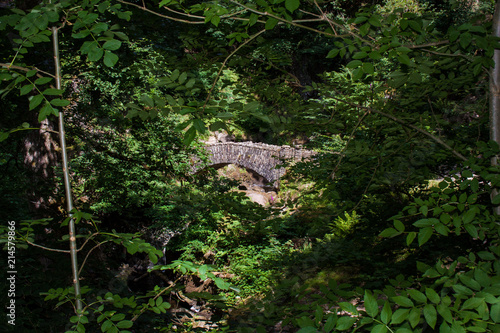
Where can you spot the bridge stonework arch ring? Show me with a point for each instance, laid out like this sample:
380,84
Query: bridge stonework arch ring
260,158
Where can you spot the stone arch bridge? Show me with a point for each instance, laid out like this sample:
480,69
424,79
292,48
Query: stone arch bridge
261,158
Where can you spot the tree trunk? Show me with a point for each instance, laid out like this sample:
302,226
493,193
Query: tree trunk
495,96
40,159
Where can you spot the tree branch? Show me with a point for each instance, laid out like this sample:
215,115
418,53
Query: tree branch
25,69
293,22
87,256
224,64
161,15
46,248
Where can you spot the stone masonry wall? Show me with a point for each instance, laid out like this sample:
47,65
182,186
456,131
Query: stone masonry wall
259,157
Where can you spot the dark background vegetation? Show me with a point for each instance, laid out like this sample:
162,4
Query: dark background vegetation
296,263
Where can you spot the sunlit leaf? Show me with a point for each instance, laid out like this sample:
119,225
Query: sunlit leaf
292,5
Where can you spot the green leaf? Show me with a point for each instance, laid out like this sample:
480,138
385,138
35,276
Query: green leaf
225,115
375,21
399,316
189,136
41,22
305,322
147,100
348,307
3,136
117,317
469,216
441,229
472,303
35,101
95,53
81,34
153,257
404,59
485,255
199,125
333,53
364,29
174,75
124,15
253,19
330,322
45,111
445,312
121,35
292,5
112,45
375,55
215,20
399,225
106,325
414,317
60,102
422,223
417,295
386,313
360,19
472,230
424,235
415,78
495,313
465,39
432,295
368,68
88,18
43,80
411,236
371,304
415,26
380,328
27,89
318,315
190,83
357,74
345,323
462,290
220,283
430,315
389,232
403,301
182,78
110,59
186,111
360,55
354,64
5,77
251,107
99,27
218,125
469,282
271,23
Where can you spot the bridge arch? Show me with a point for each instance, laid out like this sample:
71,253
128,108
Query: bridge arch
261,158
257,176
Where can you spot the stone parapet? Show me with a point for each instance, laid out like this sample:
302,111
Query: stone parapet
262,158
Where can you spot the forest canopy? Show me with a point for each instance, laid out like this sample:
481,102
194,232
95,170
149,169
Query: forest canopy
391,224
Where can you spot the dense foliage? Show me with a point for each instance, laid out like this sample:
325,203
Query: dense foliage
391,227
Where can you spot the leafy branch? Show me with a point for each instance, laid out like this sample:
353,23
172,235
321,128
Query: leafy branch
404,123
251,38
